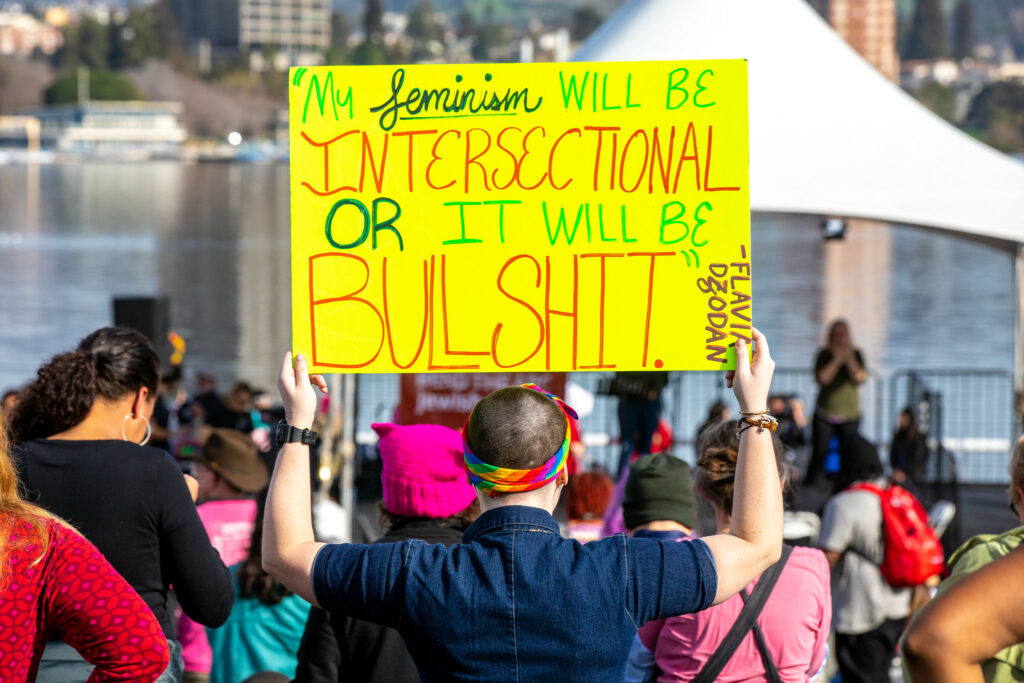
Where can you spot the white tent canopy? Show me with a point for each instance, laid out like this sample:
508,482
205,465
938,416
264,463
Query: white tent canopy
828,134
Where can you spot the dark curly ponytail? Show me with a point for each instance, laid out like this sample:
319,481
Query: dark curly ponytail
253,581
110,363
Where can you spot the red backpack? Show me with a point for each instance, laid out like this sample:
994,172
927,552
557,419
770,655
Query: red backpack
913,553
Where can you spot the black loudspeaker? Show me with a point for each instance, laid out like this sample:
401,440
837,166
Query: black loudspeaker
150,315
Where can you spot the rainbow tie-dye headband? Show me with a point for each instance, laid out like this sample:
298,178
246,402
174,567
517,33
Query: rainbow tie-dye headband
497,480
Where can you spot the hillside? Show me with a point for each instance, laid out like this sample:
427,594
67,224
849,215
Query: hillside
210,109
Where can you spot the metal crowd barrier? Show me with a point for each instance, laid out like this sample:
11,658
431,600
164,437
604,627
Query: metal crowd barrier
969,414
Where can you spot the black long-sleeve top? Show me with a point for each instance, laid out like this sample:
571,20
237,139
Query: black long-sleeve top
132,503
337,648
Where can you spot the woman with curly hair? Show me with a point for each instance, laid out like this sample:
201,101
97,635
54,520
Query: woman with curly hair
81,429
54,582
789,639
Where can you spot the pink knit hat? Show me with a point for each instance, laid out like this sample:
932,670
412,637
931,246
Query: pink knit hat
423,472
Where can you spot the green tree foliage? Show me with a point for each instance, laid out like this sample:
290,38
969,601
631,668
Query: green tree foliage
135,39
584,20
372,50
422,29
963,30
373,20
145,32
465,24
87,43
337,53
489,34
997,115
421,22
938,98
103,85
171,44
93,43
927,36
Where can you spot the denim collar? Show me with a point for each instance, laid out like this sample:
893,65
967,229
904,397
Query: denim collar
670,536
511,515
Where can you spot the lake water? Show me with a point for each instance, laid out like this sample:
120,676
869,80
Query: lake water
214,239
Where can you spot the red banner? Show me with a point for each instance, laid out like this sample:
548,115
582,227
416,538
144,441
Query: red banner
446,399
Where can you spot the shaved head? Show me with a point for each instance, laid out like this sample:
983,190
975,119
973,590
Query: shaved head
516,427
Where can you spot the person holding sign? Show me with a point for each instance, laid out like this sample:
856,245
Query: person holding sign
517,601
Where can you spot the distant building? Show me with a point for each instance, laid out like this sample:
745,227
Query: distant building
22,34
869,27
295,31
117,128
212,24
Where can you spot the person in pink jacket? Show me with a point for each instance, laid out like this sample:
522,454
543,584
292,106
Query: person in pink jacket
794,622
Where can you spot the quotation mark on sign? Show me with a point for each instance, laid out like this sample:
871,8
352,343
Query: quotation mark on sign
297,78
686,255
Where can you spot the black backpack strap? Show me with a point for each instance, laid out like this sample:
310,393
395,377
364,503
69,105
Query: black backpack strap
746,621
771,671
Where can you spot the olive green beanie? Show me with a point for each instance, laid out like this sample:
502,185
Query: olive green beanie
659,487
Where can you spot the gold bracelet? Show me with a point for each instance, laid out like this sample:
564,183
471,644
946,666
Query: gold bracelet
753,412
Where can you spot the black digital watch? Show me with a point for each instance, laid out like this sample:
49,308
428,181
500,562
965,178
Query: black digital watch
287,433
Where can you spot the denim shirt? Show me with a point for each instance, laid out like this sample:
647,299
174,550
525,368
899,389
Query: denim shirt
515,601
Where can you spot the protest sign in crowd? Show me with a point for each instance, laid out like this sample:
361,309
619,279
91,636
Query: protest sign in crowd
533,220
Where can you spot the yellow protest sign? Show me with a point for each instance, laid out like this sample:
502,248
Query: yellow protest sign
528,217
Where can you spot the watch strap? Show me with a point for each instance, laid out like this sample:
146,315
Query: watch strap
287,433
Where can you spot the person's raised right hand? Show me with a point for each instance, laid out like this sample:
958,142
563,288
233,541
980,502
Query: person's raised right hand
752,379
297,394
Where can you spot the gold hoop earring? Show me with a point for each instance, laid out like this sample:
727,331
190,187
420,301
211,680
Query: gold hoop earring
149,429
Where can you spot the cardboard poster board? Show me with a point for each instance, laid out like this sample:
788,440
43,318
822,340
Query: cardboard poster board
520,217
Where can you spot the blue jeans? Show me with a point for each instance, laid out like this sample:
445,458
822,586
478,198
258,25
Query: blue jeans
61,663
638,421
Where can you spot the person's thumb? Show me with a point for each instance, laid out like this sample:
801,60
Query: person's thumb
301,370
742,360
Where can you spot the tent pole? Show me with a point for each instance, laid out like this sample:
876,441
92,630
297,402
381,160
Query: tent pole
348,436
1018,334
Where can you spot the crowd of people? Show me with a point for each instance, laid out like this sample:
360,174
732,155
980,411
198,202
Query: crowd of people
150,535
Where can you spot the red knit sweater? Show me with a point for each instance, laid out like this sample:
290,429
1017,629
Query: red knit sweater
73,594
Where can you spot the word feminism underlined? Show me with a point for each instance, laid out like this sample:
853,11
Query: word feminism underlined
528,217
